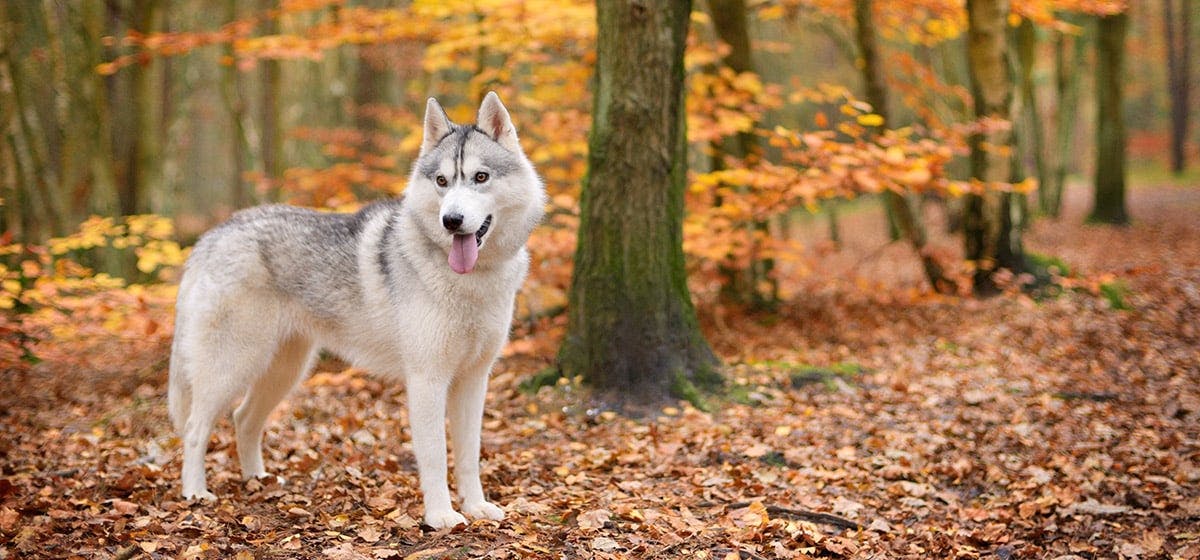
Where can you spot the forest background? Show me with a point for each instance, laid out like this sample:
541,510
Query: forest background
813,200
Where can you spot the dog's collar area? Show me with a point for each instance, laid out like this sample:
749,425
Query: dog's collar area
483,228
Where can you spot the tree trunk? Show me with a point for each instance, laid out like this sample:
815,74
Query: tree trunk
632,330
1109,203
271,134
742,286
1066,73
903,212
147,99
1034,141
729,21
235,103
992,238
102,198
1178,55
32,131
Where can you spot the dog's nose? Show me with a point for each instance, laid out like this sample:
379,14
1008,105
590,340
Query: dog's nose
452,221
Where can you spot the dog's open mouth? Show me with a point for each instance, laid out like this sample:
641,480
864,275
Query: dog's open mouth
464,253
487,223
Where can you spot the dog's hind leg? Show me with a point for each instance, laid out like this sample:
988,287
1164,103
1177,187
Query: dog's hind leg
211,394
292,360
223,360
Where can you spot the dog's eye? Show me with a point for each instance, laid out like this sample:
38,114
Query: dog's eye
441,180
481,177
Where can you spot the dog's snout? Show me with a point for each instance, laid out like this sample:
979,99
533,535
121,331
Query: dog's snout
452,221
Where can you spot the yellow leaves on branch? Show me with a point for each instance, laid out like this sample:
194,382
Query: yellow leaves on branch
148,235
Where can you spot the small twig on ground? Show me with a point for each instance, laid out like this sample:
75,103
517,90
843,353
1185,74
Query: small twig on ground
1081,395
741,553
803,514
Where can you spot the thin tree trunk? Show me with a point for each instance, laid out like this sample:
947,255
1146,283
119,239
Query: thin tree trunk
632,330
1177,28
102,199
835,227
235,104
1034,139
1066,70
742,286
146,83
1109,202
903,213
991,236
271,134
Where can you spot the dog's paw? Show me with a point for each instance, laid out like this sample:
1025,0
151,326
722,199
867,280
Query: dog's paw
444,519
201,496
484,510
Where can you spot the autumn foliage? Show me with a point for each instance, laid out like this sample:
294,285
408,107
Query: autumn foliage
865,415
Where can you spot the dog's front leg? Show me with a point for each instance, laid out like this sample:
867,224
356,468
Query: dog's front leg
427,418
466,415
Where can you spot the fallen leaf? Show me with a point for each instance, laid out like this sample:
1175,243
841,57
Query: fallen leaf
604,544
370,533
594,519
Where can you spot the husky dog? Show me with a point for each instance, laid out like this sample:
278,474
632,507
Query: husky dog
420,288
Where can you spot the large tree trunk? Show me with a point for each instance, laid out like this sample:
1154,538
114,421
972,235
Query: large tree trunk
632,330
1109,203
903,212
1179,65
992,237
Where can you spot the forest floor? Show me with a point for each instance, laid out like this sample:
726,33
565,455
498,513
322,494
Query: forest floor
921,426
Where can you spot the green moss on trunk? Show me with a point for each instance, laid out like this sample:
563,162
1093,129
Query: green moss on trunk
631,325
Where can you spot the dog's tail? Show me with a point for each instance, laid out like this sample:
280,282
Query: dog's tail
179,386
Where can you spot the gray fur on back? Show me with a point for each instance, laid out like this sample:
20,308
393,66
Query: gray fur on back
306,254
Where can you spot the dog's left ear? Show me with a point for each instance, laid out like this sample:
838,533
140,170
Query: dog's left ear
494,121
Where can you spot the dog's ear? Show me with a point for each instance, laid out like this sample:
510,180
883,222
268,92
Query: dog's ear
494,121
437,125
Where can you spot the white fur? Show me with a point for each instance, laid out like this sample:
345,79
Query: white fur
264,292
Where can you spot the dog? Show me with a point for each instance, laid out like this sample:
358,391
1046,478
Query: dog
418,288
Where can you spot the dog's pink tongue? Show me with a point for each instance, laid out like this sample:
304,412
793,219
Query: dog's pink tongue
463,253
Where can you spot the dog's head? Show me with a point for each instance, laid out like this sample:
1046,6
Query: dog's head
473,186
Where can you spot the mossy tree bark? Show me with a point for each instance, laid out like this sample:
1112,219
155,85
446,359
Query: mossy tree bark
1109,203
903,212
991,224
632,330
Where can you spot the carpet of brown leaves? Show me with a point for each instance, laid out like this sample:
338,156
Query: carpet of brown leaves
942,427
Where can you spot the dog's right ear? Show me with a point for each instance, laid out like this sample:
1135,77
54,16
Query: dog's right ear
437,126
